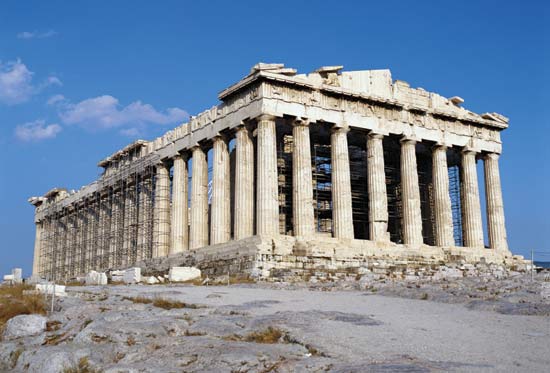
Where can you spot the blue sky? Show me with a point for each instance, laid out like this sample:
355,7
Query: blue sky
80,79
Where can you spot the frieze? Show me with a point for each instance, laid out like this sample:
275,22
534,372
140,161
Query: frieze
436,121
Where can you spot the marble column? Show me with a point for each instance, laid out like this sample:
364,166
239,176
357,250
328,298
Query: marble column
302,181
412,218
198,230
267,204
442,199
342,212
244,184
146,211
220,221
161,232
471,207
129,224
180,225
495,205
37,249
113,238
378,198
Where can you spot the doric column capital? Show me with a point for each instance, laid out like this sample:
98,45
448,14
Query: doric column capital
161,163
300,122
266,117
493,156
376,135
241,127
409,139
220,136
340,128
195,147
440,146
469,150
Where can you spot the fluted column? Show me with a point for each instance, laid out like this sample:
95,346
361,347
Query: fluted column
179,206
342,212
37,249
495,205
267,204
198,230
161,241
244,184
412,218
302,181
471,207
378,198
220,222
442,198
115,210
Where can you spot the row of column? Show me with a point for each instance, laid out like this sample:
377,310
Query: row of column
267,203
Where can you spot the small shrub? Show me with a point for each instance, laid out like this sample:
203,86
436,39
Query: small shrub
139,300
424,296
168,304
269,335
130,341
52,326
83,366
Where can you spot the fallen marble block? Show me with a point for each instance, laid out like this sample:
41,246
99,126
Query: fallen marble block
181,274
50,288
96,278
132,275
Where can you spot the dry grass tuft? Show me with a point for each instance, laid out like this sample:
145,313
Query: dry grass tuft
163,303
193,334
55,339
140,300
14,357
130,341
82,367
52,326
14,303
168,304
269,335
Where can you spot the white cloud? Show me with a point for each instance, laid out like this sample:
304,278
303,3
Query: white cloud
105,112
16,84
36,35
56,100
36,131
131,132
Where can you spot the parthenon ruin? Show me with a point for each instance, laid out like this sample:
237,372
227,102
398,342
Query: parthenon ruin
335,165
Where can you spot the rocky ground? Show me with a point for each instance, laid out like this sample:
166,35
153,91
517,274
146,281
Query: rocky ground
346,325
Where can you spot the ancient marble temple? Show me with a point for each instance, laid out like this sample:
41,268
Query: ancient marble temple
338,165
